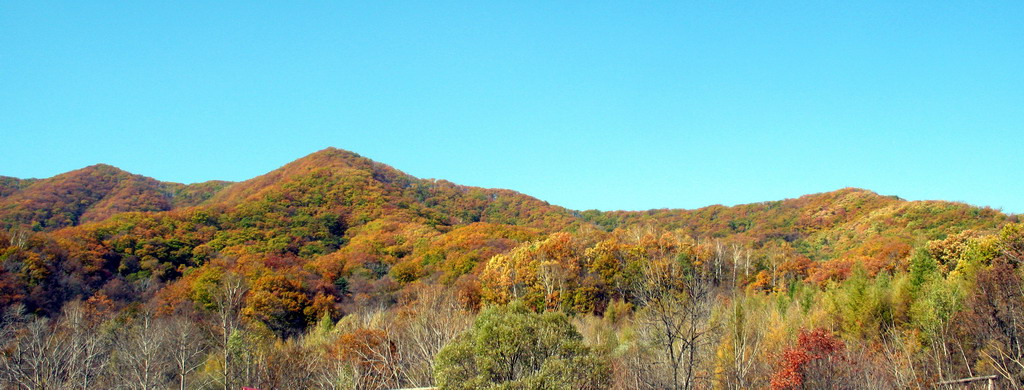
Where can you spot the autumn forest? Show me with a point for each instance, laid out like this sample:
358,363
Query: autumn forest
338,272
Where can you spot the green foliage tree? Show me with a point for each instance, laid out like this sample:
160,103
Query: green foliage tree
922,269
863,306
511,347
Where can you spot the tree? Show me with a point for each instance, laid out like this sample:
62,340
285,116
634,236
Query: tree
741,345
186,346
430,323
816,362
222,292
1011,240
513,347
33,359
89,344
141,358
42,353
675,299
995,315
372,356
280,303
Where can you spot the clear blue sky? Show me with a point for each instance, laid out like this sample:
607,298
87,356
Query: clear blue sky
583,104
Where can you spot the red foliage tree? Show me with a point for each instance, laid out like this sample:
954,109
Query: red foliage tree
816,362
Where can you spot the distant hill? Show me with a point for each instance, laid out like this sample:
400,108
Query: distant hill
91,194
822,225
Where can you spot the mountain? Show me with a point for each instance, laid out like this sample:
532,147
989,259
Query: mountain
367,189
340,225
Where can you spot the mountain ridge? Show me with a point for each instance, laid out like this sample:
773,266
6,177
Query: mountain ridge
166,196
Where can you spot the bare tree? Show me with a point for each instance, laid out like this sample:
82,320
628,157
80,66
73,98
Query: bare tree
228,300
187,347
87,344
68,352
635,368
745,337
676,306
900,360
141,356
35,359
431,322
12,325
377,365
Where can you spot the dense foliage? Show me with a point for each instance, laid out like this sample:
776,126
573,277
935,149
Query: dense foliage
365,277
511,347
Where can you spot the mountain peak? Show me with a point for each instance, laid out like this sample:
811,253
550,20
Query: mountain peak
331,152
331,159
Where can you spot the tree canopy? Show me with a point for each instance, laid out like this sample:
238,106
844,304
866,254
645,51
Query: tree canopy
511,347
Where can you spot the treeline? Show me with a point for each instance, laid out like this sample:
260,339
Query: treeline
636,308
92,346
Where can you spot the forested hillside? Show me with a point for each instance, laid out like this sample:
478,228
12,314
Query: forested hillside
91,194
336,271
